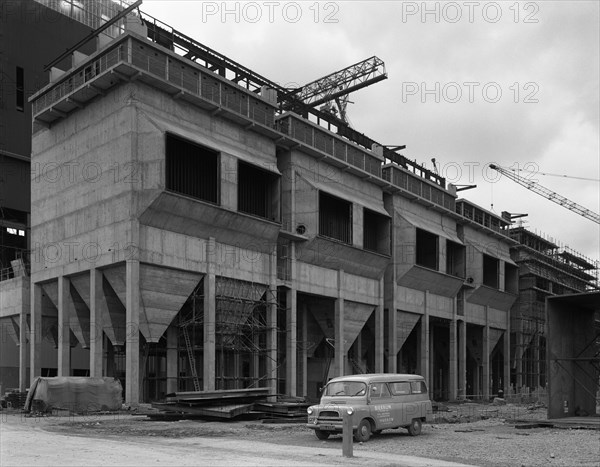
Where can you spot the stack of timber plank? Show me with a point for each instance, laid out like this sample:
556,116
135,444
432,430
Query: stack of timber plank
229,404
226,404
285,410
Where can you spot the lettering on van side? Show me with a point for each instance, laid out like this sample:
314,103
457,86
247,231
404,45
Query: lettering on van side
382,407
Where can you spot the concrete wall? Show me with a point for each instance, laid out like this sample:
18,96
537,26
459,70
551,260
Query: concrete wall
572,375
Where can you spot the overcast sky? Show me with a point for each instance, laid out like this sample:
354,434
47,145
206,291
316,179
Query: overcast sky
469,83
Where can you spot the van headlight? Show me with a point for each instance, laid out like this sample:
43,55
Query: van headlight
310,410
350,410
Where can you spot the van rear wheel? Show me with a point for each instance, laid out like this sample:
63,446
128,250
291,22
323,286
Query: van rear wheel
322,434
414,429
363,431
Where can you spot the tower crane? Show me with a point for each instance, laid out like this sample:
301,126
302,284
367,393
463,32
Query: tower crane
335,87
548,194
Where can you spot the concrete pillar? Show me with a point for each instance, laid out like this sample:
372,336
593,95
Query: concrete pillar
453,368
506,381
304,352
519,350
340,351
392,333
23,345
96,331
462,359
485,356
209,317
272,362
132,337
535,345
291,342
424,344
172,360
64,330
379,331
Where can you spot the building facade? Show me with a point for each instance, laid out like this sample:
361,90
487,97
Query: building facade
188,234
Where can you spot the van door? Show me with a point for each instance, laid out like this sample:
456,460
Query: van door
380,403
419,388
401,397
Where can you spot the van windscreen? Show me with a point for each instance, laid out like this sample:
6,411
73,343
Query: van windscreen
346,388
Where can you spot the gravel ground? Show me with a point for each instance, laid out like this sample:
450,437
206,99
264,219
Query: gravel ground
477,434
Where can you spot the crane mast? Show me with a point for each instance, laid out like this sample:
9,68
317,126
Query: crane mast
548,194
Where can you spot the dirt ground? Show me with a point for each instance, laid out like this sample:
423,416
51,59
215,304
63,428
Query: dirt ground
473,434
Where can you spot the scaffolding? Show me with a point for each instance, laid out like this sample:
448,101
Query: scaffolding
546,269
244,352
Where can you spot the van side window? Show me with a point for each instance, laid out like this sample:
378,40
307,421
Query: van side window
400,388
379,390
418,387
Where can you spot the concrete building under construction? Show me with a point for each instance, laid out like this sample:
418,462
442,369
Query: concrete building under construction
194,226
545,270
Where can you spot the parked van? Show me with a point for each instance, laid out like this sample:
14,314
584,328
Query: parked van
375,401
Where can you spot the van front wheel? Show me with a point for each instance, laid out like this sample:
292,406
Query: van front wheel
414,429
363,431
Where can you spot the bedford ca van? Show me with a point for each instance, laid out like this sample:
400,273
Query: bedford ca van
376,402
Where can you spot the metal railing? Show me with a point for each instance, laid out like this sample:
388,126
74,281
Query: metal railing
328,143
153,61
418,186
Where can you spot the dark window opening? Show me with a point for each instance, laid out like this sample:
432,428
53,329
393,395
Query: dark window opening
455,259
335,218
258,192
511,278
20,88
376,232
192,170
491,271
427,249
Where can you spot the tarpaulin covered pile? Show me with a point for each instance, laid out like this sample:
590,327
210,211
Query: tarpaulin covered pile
77,394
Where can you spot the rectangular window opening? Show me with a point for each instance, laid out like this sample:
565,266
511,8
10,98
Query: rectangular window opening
192,170
335,218
491,271
427,249
455,259
376,232
258,192
20,88
511,278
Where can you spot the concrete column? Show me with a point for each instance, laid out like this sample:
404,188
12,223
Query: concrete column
64,330
519,350
424,344
535,345
172,360
506,382
340,352
291,342
23,344
132,337
209,317
392,333
272,362
485,356
453,368
96,331
462,359
304,352
379,331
